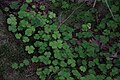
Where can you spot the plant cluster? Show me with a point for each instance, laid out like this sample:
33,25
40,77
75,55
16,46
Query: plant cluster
88,52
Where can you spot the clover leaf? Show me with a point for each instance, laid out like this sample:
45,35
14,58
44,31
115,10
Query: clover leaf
51,15
64,74
56,44
42,7
76,73
45,60
53,44
35,59
63,64
29,31
109,78
12,28
42,47
114,71
55,62
86,27
24,24
46,37
53,1
65,4
104,39
112,25
53,27
59,44
30,49
36,36
57,54
38,44
71,62
82,68
12,20
56,35
6,9
21,65
47,29
18,35
22,14
108,66
47,54
28,1
25,39
14,5
26,62
69,35
15,66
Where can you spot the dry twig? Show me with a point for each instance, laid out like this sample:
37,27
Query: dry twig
109,9
69,16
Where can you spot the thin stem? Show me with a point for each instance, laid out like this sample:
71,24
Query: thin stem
109,8
69,16
94,3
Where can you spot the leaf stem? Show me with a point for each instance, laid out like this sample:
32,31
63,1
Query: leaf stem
109,9
69,16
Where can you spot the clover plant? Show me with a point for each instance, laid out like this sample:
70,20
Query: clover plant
67,51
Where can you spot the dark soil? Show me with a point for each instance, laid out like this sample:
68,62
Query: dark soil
12,50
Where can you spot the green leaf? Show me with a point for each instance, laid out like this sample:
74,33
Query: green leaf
33,6
47,29
112,25
12,28
59,44
35,59
28,1
42,7
47,54
18,35
84,62
56,44
28,32
12,20
14,5
76,73
24,7
26,62
38,44
114,71
55,62
63,64
46,37
21,65
109,78
71,62
108,66
57,54
36,36
92,71
56,35
114,8
53,44
53,27
15,66
51,15
6,9
22,14
82,68
25,39
104,39
30,49
65,4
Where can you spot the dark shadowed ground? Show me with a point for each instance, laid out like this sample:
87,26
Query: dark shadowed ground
11,50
